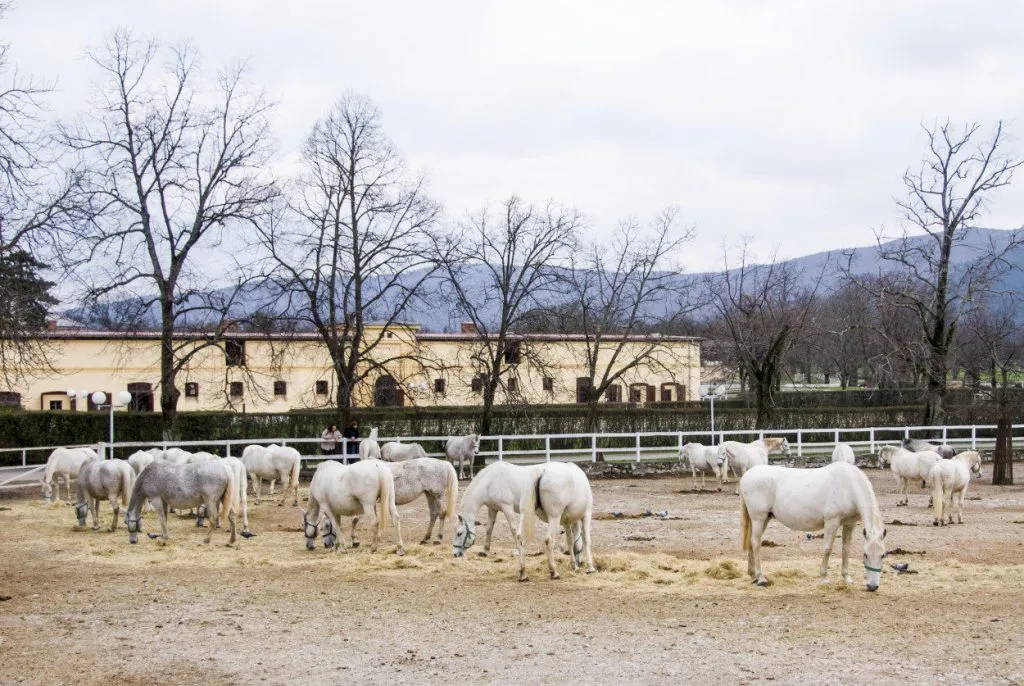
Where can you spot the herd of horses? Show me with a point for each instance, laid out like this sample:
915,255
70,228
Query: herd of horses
832,498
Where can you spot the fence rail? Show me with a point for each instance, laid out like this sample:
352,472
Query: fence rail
527,448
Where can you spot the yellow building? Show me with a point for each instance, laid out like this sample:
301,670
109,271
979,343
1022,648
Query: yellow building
279,372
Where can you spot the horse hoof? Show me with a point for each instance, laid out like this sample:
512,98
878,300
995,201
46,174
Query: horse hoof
591,570
762,582
437,542
481,554
425,541
400,552
355,544
554,575
523,577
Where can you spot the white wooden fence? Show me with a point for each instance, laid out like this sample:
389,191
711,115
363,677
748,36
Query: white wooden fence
527,448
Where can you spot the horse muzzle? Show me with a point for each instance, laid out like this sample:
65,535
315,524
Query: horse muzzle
872,587
310,544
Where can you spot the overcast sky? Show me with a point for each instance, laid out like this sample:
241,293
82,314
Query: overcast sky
788,121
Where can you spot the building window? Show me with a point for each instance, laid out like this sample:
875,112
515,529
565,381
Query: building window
56,404
280,388
549,383
512,353
235,389
320,387
477,385
666,392
439,386
613,394
584,387
513,385
637,392
191,389
234,352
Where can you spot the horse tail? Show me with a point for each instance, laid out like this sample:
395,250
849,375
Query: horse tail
745,524
293,480
386,484
229,500
452,489
127,481
937,494
528,501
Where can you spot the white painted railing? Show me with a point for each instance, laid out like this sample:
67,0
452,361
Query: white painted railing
526,448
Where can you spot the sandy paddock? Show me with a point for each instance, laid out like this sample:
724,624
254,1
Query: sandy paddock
670,601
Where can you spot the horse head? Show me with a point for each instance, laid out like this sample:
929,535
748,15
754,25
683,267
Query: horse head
81,510
134,525
330,535
974,462
310,530
784,447
465,537
874,551
47,491
476,443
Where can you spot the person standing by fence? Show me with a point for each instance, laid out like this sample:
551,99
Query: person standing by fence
352,447
330,439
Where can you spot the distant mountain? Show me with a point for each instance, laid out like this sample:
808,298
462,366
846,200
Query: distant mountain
436,312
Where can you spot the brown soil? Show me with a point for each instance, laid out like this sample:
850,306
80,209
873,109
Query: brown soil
671,601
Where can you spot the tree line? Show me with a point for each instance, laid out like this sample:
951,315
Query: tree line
168,165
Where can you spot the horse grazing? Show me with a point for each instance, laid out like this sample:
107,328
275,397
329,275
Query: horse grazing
844,453
463,448
907,466
498,487
557,493
701,458
433,478
211,484
273,462
111,480
64,463
916,445
369,449
747,455
399,452
354,490
832,497
949,485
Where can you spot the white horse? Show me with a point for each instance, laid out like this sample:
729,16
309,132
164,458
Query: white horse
64,463
398,452
141,459
747,455
172,455
463,448
558,493
832,497
273,462
498,487
242,495
430,477
916,445
201,457
369,449
354,490
907,466
949,485
701,458
844,453
110,480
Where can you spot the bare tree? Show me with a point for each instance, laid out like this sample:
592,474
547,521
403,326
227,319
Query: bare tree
616,291
498,269
761,308
38,203
946,196
177,165
354,248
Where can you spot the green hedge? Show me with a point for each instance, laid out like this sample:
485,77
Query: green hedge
24,429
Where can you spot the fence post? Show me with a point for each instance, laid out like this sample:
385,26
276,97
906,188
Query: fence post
974,437
871,435
799,443
501,448
837,436
760,435
547,448
227,449
906,434
638,447
944,434
681,443
23,457
593,447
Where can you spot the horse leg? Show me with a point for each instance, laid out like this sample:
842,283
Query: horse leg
355,541
549,545
272,483
847,541
432,507
396,521
492,516
162,512
115,504
960,506
586,543
569,538
370,511
257,487
831,528
757,527
94,510
211,519
231,526
339,545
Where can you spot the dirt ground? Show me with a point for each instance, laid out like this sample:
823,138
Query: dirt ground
670,601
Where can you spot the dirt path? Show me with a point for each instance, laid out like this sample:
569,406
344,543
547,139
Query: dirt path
669,602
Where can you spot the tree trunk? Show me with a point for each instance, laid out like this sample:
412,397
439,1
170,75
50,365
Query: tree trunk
485,419
168,390
1002,469
765,402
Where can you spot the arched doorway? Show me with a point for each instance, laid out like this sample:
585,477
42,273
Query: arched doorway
387,392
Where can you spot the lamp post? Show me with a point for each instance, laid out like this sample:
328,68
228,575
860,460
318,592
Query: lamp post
119,399
712,394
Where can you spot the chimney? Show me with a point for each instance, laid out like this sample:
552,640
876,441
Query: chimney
468,327
51,324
